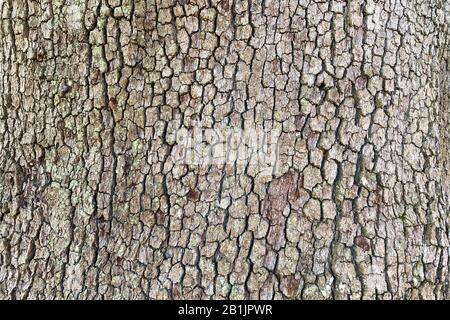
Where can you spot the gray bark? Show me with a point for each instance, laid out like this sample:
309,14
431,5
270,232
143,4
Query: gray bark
92,206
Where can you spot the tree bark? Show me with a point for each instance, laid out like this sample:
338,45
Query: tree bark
92,205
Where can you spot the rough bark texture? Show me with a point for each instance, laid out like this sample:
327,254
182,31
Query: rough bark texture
92,91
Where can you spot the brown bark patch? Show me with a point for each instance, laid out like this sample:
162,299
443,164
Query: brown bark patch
280,190
362,243
291,286
193,195
225,4
160,217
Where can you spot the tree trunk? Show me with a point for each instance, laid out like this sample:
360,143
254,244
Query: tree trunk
93,204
